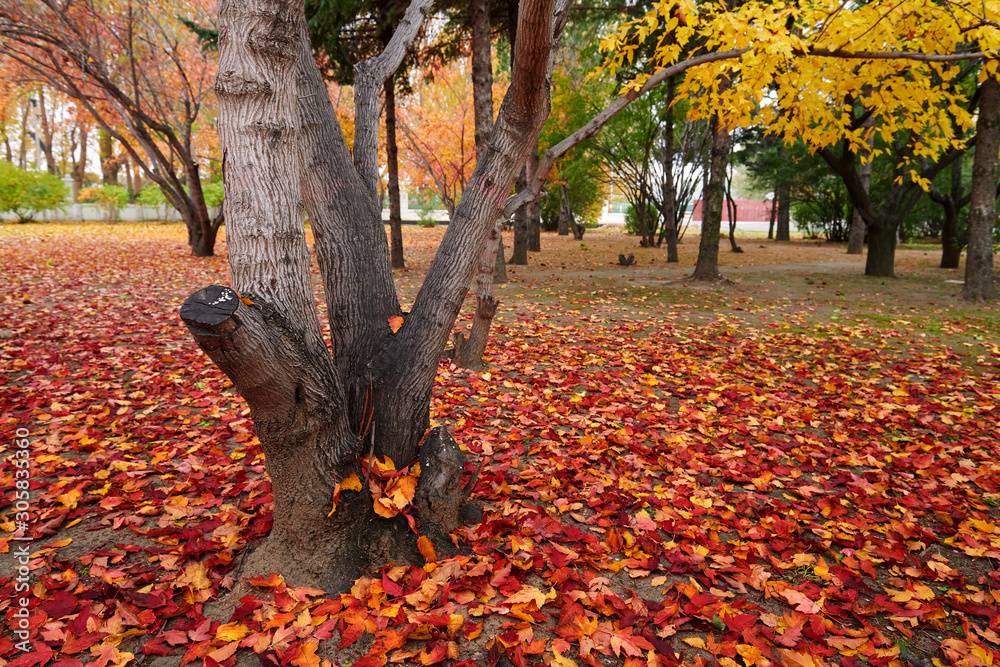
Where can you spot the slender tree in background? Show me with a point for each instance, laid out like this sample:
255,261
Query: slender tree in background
668,208
469,351
392,164
952,202
856,239
980,282
707,266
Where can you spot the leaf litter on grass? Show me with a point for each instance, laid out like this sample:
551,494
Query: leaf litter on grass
660,488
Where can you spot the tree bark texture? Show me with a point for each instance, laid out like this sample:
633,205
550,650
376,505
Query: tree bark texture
534,208
565,211
392,159
317,409
106,153
951,247
882,249
369,77
856,239
500,266
519,252
668,194
80,167
482,73
980,282
43,117
707,267
469,351
784,203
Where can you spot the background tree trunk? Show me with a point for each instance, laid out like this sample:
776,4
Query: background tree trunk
482,102
952,204
707,267
500,266
106,151
856,239
80,166
392,158
482,73
534,207
774,214
979,277
732,214
669,212
882,248
46,141
784,203
519,253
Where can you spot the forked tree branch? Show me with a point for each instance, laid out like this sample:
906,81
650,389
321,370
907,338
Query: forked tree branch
369,78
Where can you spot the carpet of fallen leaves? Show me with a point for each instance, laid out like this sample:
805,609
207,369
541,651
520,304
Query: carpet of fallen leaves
671,475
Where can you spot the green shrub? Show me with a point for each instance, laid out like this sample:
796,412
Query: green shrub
152,196
213,194
632,219
108,197
27,193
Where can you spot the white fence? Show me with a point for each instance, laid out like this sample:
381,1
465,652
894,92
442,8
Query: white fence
85,212
135,213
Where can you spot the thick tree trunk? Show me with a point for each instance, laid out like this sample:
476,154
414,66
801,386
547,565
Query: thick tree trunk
979,278
567,218
297,407
201,229
707,267
519,253
882,249
312,416
202,237
562,228
856,239
565,210
784,203
392,158
641,213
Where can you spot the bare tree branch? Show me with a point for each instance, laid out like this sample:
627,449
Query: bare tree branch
369,77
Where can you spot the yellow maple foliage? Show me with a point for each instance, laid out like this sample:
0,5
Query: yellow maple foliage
799,68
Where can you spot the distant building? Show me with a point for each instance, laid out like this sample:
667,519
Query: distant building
752,215
747,210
